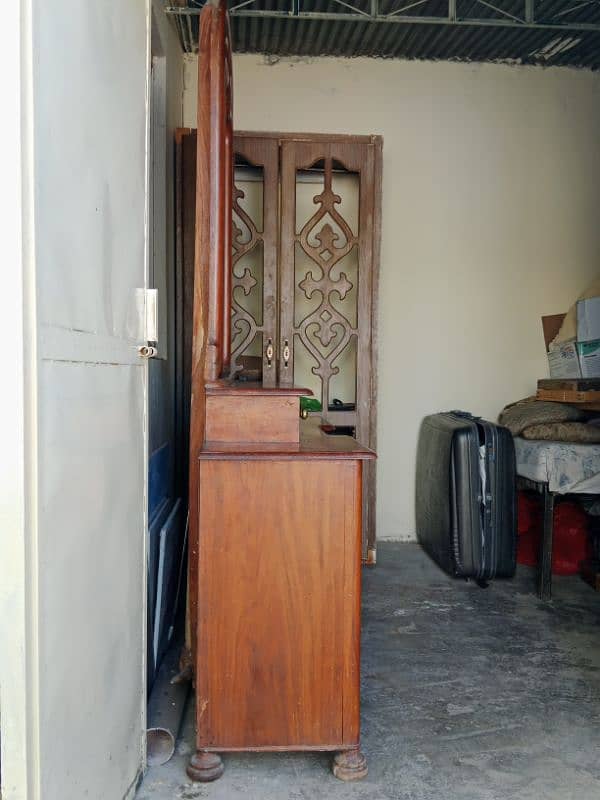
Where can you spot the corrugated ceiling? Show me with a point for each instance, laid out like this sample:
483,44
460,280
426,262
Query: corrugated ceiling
549,32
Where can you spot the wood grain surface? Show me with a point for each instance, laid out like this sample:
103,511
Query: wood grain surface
279,593
214,157
251,418
313,445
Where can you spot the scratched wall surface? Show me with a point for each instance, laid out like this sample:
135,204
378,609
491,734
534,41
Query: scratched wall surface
90,70
467,694
490,194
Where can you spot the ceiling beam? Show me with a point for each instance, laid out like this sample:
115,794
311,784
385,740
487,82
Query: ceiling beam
527,22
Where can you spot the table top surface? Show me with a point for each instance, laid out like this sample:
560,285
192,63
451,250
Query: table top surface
314,443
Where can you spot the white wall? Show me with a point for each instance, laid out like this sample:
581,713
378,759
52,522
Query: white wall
16,408
490,219
90,79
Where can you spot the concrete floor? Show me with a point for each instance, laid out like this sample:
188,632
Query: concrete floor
467,693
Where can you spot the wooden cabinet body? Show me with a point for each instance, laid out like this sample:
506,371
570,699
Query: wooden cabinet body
278,645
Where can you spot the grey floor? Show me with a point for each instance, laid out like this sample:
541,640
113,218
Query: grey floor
466,693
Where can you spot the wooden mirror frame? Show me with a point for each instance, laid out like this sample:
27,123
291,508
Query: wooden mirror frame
212,267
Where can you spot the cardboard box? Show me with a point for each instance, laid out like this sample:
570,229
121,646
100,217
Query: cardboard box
575,360
571,359
563,361
589,358
588,319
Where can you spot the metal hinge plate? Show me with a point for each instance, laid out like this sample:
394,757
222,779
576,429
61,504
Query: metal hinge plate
151,316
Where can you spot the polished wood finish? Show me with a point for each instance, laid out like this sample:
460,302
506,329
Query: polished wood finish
226,109
251,418
226,388
263,233
274,504
314,445
280,649
569,396
301,136
205,767
362,154
214,173
211,309
328,330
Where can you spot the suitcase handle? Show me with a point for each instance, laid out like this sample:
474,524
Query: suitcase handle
463,414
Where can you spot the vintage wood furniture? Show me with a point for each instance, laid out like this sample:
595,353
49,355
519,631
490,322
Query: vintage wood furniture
275,512
304,272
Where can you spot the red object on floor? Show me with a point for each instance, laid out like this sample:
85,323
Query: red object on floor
529,512
571,545
528,548
570,538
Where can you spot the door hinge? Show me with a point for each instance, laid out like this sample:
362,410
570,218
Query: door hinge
147,351
151,319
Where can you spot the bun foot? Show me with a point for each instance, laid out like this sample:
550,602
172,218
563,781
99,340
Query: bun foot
205,767
350,765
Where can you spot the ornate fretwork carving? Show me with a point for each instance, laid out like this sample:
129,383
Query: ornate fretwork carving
326,332
244,326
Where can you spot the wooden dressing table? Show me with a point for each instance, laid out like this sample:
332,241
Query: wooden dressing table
275,514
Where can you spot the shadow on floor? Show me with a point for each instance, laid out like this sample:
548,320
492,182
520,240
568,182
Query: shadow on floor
467,693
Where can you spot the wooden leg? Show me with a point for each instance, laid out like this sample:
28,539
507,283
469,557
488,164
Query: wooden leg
205,767
350,765
545,561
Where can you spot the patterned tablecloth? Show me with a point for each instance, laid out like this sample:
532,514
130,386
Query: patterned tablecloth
564,467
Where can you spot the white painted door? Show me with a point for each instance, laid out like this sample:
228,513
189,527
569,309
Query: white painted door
87,579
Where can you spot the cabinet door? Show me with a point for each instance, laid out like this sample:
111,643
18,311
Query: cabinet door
279,589
254,256
328,262
327,201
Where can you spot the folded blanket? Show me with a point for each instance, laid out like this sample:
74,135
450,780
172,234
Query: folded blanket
577,432
525,413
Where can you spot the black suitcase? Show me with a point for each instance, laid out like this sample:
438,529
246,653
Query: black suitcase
466,496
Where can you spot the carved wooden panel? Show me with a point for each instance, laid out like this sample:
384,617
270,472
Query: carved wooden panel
254,259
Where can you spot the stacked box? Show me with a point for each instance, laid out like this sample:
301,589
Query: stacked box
580,357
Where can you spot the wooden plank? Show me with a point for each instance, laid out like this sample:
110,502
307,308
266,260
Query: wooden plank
570,384
365,407
243,389
568,396
211,259
287,257
352,483
369,552
283,136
